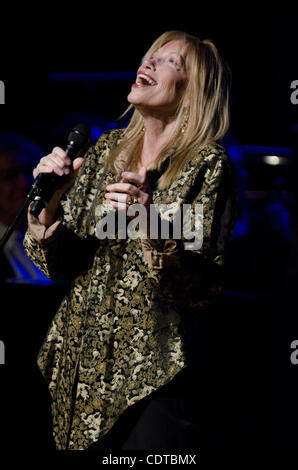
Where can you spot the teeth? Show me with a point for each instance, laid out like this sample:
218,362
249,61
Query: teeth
141,77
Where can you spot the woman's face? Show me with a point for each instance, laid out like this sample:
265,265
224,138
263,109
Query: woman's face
160,81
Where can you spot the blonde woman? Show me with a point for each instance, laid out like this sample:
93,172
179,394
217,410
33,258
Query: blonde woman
118,357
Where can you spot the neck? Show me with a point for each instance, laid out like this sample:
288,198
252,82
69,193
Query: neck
157,134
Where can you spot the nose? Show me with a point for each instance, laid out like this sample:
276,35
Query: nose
149,64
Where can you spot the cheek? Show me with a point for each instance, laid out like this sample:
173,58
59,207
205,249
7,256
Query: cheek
170,89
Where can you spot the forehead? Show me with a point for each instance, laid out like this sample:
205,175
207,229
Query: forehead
173,47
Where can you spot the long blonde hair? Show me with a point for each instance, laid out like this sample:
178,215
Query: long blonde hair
203,112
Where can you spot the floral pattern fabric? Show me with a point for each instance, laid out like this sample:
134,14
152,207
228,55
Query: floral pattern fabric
116,336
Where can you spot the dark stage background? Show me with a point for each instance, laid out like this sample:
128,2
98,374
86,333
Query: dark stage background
61,74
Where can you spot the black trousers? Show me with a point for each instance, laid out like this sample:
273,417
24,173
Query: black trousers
166,419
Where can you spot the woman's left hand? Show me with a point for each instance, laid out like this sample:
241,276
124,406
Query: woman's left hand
121,195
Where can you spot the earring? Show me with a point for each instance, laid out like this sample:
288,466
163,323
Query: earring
184,124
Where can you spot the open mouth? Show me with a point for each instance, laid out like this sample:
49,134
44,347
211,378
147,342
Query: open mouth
145,80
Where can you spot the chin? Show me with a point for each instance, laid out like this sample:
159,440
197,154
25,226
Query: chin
131,98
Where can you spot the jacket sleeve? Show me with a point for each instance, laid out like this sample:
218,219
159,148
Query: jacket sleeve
214,189
64,249
192,278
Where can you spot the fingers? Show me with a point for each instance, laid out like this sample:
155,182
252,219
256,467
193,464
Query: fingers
56,162
123,188
77,163
139,180
120,195
121,206
122,199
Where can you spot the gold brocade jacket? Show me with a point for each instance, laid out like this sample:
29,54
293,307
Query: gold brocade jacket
117,332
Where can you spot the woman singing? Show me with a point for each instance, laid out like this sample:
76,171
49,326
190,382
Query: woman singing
119,358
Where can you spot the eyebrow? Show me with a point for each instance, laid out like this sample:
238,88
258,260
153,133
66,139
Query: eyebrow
177,54
181,58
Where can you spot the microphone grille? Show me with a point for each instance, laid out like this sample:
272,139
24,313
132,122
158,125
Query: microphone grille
79,135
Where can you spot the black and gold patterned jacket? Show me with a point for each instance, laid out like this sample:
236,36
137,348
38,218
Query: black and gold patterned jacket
117,329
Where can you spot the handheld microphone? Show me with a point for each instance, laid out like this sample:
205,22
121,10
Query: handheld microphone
46,184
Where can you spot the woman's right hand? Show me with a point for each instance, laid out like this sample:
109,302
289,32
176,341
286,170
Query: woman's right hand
57,162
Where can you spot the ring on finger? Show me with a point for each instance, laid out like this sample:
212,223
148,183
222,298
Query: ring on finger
131,200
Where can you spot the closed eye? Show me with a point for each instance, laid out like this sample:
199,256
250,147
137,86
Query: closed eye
175,62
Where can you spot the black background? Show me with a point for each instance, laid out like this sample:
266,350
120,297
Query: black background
260,46
253,385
